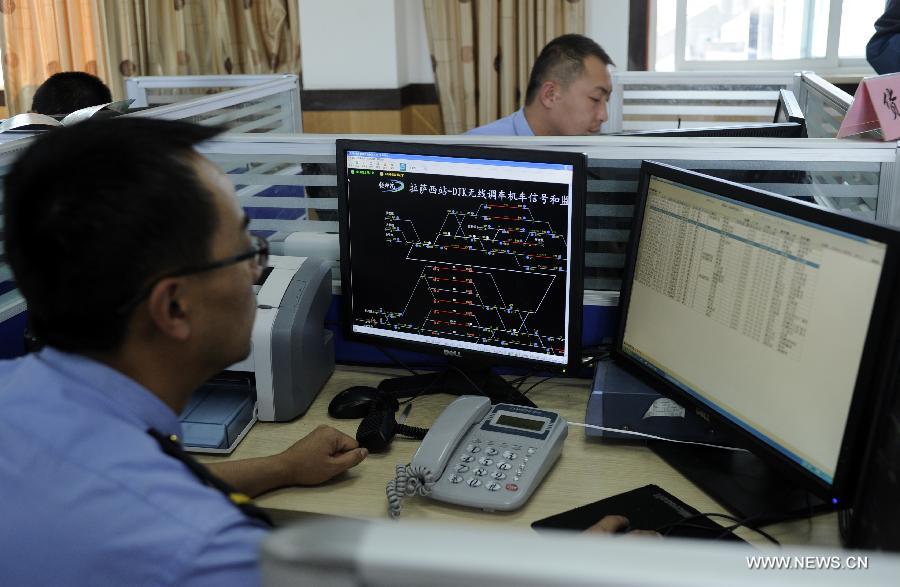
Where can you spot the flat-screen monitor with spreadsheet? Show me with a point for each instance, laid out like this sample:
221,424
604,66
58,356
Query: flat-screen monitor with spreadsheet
772,317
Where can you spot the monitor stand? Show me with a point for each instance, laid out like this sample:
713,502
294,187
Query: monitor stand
464,379
742,483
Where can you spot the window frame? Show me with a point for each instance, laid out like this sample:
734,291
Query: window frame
832,63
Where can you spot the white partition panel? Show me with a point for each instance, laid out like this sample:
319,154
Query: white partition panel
288,183
824,105
157,90
11,301
649,100
272,105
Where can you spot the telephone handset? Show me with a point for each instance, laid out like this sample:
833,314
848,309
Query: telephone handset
444,435
481,456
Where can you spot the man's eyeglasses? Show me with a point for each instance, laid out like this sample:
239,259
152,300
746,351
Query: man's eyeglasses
259,252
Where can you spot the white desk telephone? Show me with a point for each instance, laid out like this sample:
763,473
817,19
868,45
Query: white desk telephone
478,456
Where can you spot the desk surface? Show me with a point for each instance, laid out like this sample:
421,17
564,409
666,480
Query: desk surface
587,470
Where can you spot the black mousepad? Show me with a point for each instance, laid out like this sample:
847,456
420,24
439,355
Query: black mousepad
647,508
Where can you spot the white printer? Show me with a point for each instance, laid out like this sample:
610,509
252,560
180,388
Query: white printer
292,357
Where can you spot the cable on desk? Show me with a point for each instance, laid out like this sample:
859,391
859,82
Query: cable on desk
654,437
420,393
547,378
746,523
407,481
396,360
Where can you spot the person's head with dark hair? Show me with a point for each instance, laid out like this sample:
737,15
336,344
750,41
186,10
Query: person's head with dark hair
569,87
107,223
69,91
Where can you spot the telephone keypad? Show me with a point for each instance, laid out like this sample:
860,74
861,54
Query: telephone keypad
491,451
509,455
454,478
481,472
461,468
493,486
504,466
473,482
467,458
486,461
498,475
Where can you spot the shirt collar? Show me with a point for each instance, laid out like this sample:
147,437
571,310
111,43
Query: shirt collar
520,124
123,395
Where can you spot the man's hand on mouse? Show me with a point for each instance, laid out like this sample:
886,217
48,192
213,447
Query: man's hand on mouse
618,525
320,455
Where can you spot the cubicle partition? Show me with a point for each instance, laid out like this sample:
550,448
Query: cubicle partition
158,90
650,100
287,185
12,304
271,105
858,177
824,105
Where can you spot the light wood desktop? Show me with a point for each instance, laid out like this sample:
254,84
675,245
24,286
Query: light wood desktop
587,470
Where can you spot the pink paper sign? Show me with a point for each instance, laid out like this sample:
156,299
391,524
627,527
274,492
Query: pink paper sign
876,105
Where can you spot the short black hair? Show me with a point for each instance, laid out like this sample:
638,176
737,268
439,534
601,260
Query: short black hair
69,91
563,59
94,212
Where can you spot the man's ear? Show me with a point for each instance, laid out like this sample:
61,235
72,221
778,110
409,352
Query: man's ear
549,93
169,308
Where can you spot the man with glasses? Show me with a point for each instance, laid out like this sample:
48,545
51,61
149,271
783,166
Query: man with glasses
138,269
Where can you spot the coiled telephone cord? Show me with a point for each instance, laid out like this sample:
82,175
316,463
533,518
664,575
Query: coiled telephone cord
408,480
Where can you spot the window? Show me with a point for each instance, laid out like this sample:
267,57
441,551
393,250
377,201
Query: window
825,35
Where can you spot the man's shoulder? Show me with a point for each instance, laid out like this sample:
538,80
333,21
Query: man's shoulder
501,127
126,492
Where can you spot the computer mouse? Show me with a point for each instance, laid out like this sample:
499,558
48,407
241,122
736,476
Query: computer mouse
354,402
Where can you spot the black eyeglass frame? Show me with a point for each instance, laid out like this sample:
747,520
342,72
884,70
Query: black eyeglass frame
259,250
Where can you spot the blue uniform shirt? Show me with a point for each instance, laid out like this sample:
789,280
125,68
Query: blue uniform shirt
514,125
87,497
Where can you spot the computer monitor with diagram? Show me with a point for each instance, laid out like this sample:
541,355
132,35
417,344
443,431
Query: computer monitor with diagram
471,253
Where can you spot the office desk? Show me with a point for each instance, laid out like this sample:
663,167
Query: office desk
586,471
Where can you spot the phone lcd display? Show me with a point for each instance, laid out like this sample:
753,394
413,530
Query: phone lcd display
521,423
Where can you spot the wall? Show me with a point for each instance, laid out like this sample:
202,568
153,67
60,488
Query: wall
606,21
367,68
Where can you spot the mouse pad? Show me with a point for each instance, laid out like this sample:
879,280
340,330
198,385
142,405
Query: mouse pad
647,508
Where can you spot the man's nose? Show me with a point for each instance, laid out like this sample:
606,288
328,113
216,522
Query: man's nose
603,115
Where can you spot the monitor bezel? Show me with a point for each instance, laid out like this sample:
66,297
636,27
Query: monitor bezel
576,283
787,103
874,370
770,130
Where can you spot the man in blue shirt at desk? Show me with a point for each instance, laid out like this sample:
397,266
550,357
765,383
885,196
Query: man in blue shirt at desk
135,260
567,93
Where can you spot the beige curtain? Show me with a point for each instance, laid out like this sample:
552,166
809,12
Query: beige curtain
114,39
482,52
200,37
41,37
